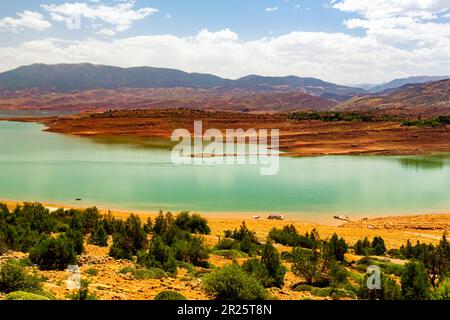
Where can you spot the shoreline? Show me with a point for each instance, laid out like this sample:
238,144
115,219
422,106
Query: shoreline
395,229
297,138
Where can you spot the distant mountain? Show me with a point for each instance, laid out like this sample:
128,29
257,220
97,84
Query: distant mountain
426,99
79,77
292,83
397,83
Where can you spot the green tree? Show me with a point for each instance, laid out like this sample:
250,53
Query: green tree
414,281
378,246
53,254
99,236
232,283
338,247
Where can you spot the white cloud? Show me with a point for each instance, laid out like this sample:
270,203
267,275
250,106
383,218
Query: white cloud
120,16
271,9
25,20
334,57
400,38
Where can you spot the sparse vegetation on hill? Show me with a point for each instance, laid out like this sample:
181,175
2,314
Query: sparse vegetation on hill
172,248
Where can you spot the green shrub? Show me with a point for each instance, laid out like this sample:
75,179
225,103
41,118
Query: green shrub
144,273
338,294
442,292
129,239
304,287
76,234
321,292
14,277
159,256
169,295
365,247
415,282
232,283
53,254
390,290
192,223
192,250
92,272
230,254
338,247
21,295
227,244
99,236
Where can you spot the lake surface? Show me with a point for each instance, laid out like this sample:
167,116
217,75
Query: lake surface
48,167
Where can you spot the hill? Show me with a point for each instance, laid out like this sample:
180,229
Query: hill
79,77
397,83
418,100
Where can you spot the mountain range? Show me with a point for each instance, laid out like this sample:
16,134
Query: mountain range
78,77
99,87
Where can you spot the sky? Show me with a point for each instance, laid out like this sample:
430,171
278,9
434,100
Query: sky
343,41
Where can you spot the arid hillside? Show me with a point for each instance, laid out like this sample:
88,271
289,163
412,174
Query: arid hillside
414,100
298,138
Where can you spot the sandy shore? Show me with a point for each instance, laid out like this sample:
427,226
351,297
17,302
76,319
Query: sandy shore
395,230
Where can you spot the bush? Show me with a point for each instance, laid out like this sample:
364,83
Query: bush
14,277
169,295
305,264
143,274
378,247
415,282
338,294
192,250
92,272
232,283
130,239
53,254
192,223
159,256
268,270
76,234
21,295
338,248
442,292
230,254
390,290
227,244
99,236
304,287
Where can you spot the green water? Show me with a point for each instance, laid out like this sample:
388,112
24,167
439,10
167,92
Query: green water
48,167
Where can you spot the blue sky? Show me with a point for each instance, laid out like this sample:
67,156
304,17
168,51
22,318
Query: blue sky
345,41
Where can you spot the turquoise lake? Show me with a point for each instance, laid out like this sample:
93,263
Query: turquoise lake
120,174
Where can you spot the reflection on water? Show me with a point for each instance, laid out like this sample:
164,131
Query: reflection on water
138,143
425,163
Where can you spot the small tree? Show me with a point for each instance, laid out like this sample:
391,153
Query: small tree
378,246
271,260
232,283
130,239
53,254
338,247
305,264
99,236
159,256
148,227
76,234
389,290
415,282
